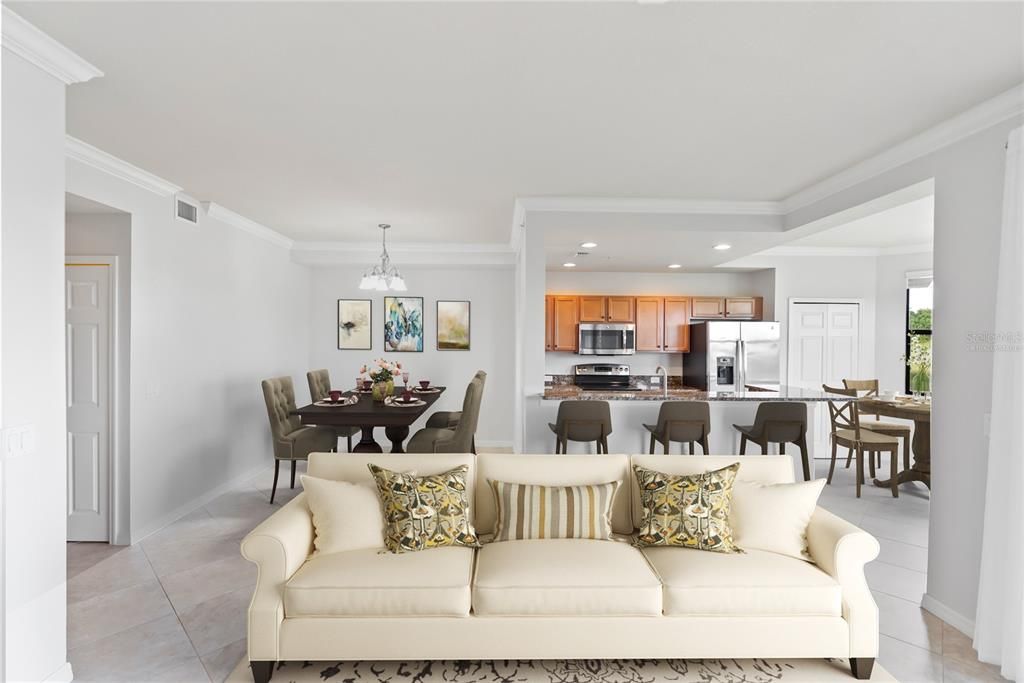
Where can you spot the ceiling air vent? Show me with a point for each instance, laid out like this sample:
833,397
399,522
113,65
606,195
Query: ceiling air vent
186,210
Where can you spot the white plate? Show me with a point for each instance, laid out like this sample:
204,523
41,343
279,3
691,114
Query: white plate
395,403
345,401
430,390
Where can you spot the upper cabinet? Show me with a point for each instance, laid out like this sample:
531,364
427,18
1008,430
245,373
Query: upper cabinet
562,322
707,307
677,324
744,307
607,309
650,323
732,308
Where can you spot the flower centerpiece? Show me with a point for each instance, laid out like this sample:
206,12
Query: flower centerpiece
382,374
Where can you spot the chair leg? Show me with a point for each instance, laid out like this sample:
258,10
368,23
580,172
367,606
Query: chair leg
691,447
871,463
294,462
667,445
652,444
349,443
704,444
832,465
782,448
273,490
894,457
906,452
472,444
743,444
860,469
805,458
849,457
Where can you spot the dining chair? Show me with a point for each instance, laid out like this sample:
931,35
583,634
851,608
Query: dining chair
320,388
778,422
686,422
901,431
848,432
290,439
582,421
449,419
458,439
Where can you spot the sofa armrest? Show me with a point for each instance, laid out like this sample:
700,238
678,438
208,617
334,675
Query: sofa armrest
278,546
842,550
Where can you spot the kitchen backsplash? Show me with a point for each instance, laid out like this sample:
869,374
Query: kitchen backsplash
643,381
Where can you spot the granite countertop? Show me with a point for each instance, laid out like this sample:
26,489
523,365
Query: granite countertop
750,393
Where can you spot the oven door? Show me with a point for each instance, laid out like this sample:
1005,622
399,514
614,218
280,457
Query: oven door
598,339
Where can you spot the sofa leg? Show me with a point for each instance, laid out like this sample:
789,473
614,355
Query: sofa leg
262,671
861,667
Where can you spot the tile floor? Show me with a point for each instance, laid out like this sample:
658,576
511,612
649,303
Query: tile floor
172,608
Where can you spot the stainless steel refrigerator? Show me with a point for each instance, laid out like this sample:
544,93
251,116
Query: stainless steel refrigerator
728,356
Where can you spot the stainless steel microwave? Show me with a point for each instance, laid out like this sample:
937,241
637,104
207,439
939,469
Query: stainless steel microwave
607,339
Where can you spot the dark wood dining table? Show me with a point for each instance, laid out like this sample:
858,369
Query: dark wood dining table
368,414
921,414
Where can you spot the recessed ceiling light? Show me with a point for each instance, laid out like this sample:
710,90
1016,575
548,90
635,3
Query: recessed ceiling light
588,245
723,247
674,265
569,265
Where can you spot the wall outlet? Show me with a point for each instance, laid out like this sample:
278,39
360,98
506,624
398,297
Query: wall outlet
655,380
18,441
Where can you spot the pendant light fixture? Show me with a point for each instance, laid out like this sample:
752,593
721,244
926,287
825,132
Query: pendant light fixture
384,276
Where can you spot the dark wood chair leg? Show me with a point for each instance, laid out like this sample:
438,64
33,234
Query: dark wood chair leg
871,463
861,667
652,444
832,465
558,445
805,459
349,443
782,448
743,444
860,469
273,490
666,446
849,457
293,473
704,444
262,671
894,458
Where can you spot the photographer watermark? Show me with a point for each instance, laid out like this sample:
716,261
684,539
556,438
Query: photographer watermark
998,341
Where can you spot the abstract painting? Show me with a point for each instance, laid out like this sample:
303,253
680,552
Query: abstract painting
354,324
403,323
453,326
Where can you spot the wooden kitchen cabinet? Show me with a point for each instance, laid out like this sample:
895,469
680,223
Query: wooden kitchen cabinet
606,309
592,309
650,321
743,308
564,323
549,320
676,335
707,307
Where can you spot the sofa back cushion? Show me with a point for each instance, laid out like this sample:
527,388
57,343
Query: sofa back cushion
353,467
765,469
552,470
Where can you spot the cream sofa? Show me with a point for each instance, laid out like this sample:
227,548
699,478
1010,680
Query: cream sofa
557,599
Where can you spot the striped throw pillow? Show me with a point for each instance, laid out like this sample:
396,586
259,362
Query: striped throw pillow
534,511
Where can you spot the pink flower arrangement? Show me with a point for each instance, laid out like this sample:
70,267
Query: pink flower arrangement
383,371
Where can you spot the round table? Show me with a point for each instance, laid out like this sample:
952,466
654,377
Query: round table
921,414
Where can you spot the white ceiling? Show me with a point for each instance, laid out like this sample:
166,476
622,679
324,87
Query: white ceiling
908,225
321,120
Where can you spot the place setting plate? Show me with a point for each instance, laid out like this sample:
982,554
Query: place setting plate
395,402
428,390
345,401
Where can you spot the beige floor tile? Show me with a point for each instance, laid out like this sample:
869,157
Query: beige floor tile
220,663
137,654
956,671
113,612
217,622
191,553
127,567
186,589
903,583
959,647
82,556
906,621
907,663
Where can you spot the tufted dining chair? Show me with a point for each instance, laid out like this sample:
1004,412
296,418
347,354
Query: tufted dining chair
320,388
458,439
448,419
291,440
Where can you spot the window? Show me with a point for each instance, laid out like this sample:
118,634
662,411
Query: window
918,353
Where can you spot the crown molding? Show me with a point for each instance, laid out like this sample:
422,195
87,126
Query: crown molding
91,156
701,207
218,212
35,47
1004,106
405,254
798,250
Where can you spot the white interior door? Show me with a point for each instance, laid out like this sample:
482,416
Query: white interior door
808,345
843,335
88,401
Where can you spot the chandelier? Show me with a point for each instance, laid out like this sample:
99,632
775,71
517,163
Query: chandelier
384,276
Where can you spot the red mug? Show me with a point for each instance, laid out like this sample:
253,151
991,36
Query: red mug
367,385
406,395
424,383
335,395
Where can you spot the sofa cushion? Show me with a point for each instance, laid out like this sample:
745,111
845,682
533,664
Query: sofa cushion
528,511
373,583
756,583
564,577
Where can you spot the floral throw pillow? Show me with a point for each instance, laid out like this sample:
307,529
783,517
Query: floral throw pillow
424,512
688,511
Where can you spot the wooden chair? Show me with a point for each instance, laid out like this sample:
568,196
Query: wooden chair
686,422
582,421
778,422
848,433
901,431
320,388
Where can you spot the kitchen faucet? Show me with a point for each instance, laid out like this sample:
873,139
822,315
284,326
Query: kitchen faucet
664,380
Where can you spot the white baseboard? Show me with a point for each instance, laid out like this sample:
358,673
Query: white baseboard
948,615
194,504
494,444
61,675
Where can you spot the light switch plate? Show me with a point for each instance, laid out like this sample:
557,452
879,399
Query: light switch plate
19,441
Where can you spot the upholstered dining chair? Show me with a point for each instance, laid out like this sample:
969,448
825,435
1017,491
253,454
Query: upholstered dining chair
291,440
582,421
848,432
900,431
320,388
686,422
459,439
778,422
449,419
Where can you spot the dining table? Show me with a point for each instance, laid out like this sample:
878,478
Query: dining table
906,409
368,414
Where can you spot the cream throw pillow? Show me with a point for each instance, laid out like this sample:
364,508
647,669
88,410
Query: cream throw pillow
346,516
774,517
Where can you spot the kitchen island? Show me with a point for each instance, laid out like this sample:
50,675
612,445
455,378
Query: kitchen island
757,394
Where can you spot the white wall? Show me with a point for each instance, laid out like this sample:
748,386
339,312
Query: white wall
490,291
890,315
89,234
32,370
214,310
757,283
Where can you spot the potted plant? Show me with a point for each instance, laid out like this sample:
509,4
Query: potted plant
382,374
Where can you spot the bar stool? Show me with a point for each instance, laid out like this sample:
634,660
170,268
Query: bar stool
901,431
848,432
778,422
684,422
582,421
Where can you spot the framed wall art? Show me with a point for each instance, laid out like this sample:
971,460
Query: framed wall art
453,324
355,324
403,323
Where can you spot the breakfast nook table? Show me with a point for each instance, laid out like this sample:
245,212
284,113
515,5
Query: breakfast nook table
906,409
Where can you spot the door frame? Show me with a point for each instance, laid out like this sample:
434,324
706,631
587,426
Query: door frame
116,529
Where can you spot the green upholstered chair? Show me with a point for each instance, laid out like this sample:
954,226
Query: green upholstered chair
778,422
461,437
686,422
582,421
448,419
291,440
319,389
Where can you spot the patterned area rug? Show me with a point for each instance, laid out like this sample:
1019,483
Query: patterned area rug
565,671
